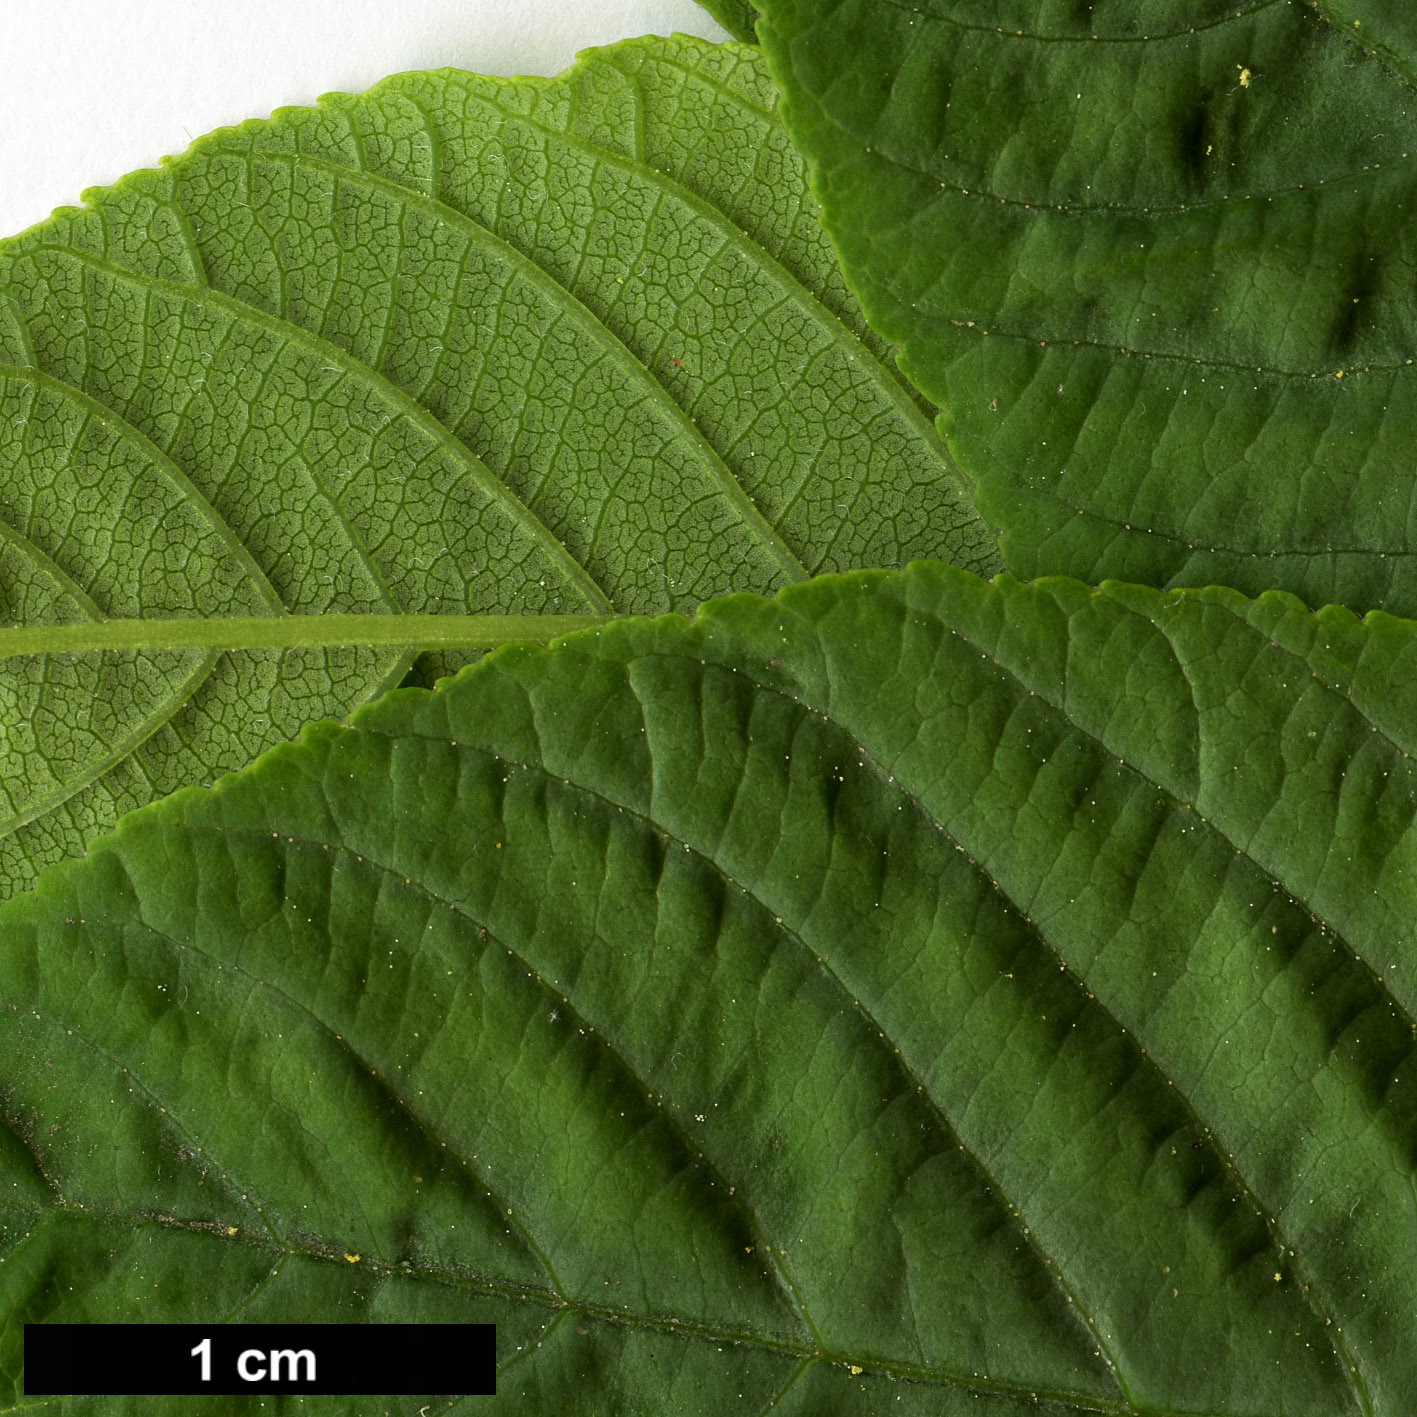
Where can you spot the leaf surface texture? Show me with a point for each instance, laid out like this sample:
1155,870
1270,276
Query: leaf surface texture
458,346
1152,261
738,17
905,994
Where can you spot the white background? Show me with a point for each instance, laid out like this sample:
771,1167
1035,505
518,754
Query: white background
92,89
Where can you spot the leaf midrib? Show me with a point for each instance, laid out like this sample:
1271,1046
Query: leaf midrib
217,635
662,1323
410,631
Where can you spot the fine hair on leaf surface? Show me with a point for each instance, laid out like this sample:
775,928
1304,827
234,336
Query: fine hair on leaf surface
458,347
847,997
1154,263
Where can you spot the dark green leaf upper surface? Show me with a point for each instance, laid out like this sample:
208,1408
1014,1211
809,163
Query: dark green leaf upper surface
1154,261
456,346
903,995
738,17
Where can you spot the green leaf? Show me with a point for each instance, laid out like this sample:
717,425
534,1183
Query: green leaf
906,994
457,347
1153,262
738,17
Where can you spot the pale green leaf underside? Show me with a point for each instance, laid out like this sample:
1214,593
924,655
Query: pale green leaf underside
1154,261
459,346
1005,991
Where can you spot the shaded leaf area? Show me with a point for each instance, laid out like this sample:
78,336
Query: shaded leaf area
460,345
1153,263
906,993
738,17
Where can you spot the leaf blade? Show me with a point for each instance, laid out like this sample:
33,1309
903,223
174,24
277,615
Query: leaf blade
1142,264
882,871
738,17
376,383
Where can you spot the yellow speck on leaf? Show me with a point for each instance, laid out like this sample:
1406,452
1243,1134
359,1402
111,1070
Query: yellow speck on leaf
853,1370
1339,375
353,1259
1244,76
